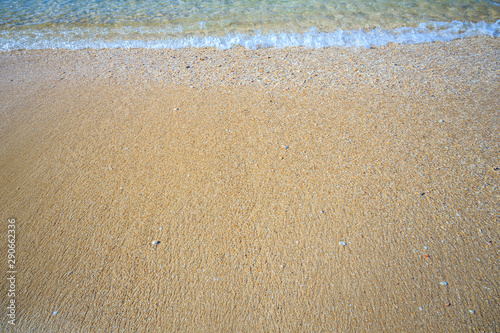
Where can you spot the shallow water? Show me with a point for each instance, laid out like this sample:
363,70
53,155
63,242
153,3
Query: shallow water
132,23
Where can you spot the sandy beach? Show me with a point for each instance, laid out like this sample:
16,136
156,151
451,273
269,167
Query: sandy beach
290,190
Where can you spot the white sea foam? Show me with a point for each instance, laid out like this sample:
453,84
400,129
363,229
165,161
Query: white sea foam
80,38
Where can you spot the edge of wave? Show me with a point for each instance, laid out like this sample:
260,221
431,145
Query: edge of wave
425,33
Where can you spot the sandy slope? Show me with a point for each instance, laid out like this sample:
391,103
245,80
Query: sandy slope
250,167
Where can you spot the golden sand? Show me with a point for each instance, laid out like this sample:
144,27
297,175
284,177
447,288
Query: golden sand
251,168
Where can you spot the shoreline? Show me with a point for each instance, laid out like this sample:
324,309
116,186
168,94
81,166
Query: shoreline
251,167
364,35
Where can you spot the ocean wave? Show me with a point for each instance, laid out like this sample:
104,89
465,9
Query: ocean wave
82,38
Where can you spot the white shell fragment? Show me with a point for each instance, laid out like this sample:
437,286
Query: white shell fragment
343,243
156,242
443,283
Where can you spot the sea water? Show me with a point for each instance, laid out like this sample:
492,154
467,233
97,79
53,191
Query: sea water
77,24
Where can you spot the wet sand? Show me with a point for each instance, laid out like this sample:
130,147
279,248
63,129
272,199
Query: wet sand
291,190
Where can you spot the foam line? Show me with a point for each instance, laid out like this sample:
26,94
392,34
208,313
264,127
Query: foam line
107,38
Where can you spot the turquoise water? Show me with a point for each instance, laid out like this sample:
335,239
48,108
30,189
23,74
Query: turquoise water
40,24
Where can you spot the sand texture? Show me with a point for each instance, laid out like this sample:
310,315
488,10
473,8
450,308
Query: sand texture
250,167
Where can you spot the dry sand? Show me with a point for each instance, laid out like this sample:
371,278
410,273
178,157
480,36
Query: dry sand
250,167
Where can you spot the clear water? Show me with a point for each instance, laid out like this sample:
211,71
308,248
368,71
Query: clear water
77,24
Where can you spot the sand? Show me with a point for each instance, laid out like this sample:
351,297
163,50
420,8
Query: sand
251,167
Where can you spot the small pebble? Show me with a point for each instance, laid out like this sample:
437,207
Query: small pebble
176,109
343,243
443,283
155,242
426,248
472,311
421,309
55,312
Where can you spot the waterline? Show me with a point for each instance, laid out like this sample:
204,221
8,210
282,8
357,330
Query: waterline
98,38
